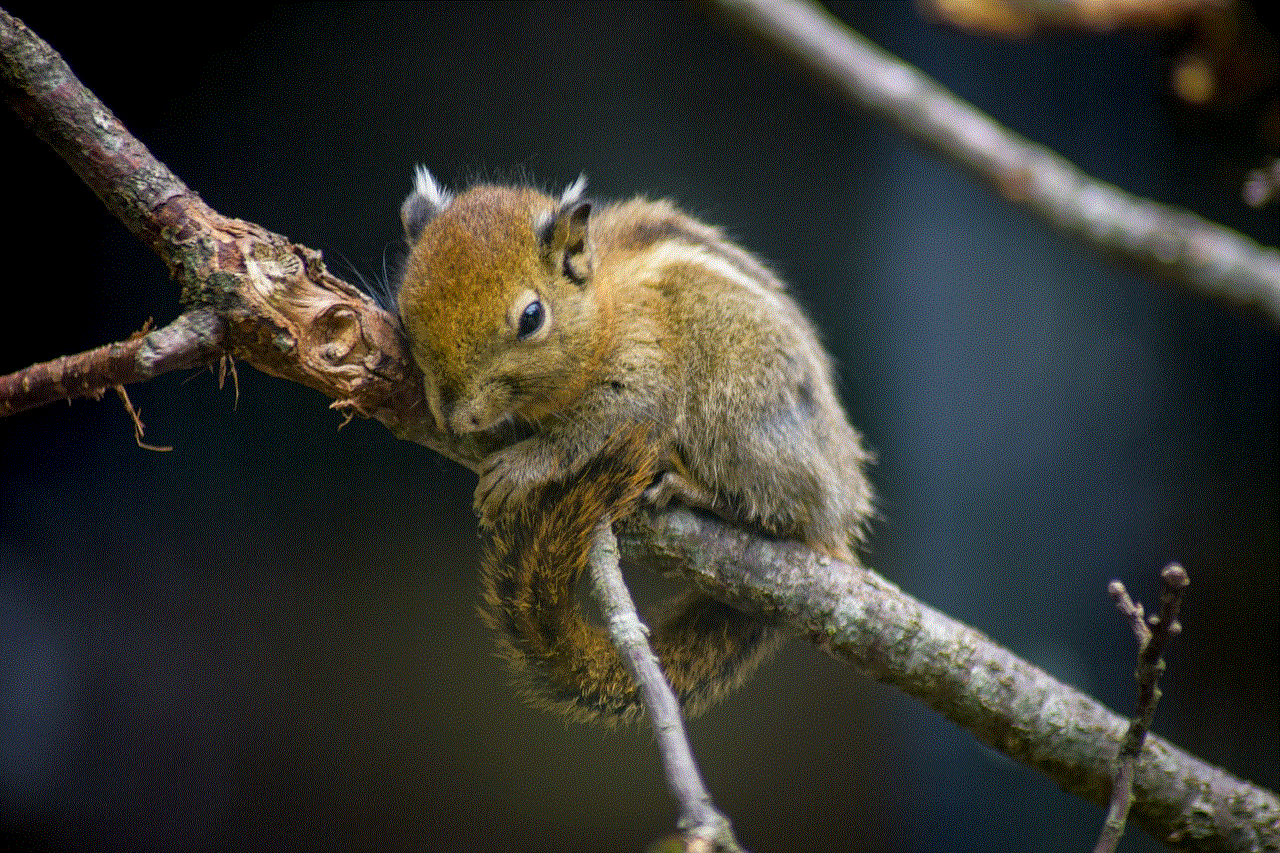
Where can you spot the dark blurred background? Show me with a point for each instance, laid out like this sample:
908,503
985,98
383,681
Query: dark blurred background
267,637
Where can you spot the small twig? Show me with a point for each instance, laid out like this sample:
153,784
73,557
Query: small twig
1151,642
193,339
227,365
138,428
702,828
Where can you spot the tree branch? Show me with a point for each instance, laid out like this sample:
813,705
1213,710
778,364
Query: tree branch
1169,241
1006,702
703,828
283,312
189,341
280,308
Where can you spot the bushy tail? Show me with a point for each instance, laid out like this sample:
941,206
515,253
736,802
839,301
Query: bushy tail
532,561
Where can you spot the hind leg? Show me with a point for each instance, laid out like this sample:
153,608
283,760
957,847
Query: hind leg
673,485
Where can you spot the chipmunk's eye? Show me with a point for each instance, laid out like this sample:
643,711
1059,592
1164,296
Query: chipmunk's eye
531,320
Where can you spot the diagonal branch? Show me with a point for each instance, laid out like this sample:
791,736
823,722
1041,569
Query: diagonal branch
279,307
1169,241
702,826
1006,702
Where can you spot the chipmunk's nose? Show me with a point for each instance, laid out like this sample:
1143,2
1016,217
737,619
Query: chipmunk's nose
465,413
467,420
466,423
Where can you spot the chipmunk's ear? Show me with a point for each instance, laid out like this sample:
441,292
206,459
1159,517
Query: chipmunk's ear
568,237
425,203
577,243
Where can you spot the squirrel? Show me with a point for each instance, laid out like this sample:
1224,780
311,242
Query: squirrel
619,354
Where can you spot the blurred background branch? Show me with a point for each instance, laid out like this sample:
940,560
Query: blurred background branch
1172,242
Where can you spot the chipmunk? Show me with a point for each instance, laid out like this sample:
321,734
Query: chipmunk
623,353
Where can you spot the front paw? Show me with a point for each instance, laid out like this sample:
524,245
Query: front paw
501,487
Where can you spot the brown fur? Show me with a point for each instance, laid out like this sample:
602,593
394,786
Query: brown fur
652,318
533,559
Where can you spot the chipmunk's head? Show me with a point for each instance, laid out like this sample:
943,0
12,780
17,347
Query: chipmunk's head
497,300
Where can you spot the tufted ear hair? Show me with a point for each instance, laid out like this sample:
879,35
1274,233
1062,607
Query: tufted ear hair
425,203
573,193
